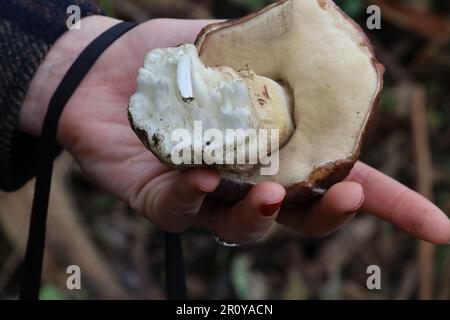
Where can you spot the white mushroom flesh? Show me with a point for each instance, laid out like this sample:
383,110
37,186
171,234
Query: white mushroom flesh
175,90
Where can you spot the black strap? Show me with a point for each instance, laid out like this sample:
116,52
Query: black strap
36,236
175,273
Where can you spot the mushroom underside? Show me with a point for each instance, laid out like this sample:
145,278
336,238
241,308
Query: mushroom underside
327,61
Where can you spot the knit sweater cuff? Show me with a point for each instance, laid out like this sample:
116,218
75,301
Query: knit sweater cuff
28,29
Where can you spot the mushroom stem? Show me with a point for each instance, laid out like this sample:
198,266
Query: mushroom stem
184,80
270,102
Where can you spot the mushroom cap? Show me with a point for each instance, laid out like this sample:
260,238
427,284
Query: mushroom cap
328,63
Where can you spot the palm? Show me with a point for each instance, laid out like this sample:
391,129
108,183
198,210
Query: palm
120,163
110,153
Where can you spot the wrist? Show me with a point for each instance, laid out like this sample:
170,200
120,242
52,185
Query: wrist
52,70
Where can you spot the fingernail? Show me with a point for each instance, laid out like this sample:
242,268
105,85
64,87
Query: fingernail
269,209
357,207
207,189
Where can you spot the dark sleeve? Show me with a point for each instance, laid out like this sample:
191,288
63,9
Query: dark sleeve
28,28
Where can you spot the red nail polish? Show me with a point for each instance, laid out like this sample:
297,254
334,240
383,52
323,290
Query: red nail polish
269,209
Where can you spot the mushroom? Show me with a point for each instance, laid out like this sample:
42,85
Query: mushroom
314,63
176,90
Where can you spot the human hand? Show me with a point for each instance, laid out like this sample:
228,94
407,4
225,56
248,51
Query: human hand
94,128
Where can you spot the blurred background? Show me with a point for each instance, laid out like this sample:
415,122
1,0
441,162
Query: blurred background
121,254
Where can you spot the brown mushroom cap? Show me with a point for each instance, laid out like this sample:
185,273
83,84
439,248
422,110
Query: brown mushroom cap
327,61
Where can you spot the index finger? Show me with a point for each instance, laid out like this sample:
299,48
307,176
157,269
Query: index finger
389,200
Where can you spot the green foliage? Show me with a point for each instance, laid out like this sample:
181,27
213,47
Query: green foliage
354,8
333,287
108,6
240,276
49,292
252,5
442,259
295,288
438,119
222,258
388,100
